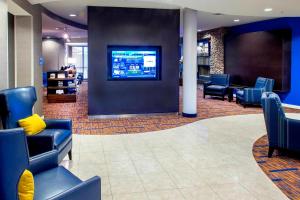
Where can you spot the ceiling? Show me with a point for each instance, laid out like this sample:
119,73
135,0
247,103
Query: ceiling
245,11
55,29
230,7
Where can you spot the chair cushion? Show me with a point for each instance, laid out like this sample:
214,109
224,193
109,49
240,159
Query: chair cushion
52,182
26,186
216,87
32,125
240,93
60,136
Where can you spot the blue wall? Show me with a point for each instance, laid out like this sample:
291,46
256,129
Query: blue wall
292,97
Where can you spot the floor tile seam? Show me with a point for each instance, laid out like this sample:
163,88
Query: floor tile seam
168,190
106,165
256,195
140,179
165,170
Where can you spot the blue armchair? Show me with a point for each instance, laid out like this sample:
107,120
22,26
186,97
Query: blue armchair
283,133
50,180
217,85
252,96
16,104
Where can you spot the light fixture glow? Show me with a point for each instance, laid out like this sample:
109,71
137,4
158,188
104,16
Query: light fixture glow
199,30
236,20
66,36
73,15
57,28
48,37
268,9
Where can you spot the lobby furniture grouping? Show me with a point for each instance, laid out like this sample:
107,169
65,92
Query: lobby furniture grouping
16,104
50,180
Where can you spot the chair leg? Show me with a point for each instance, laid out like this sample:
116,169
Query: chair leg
70,154
271,151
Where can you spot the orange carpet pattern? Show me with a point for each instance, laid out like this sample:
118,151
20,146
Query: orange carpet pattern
283,170
207,108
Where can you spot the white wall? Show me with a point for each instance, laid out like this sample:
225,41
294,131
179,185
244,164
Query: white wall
3,45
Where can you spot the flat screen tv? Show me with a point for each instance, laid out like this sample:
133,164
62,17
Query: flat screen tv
134,62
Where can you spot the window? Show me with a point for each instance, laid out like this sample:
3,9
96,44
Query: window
80,53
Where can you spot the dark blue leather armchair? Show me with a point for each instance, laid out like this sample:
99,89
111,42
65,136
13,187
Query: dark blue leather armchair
252,96
217,85
283,133
16,104
50,180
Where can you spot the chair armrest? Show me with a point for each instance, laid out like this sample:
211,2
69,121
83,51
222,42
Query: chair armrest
253,94
59,124
38,144
205,84
90,189
43,161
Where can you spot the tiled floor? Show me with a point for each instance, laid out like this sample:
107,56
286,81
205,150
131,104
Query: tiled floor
207,108
210,159
283,170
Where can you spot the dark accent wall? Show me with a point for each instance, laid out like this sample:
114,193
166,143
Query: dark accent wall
263,53
292,23
133,26
11,50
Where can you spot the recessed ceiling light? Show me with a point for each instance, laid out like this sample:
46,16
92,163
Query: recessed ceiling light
268,9
57,28
73,15
65,36
236,20
199,30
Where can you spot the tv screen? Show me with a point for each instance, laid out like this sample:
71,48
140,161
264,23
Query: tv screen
134,62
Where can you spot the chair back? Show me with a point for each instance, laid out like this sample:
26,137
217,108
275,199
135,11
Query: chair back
16,104
264,83
220,79
274,119
14,160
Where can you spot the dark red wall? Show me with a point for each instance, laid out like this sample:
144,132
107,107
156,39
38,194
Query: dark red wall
263,53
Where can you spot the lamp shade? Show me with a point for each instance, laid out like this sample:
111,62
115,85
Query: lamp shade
72,61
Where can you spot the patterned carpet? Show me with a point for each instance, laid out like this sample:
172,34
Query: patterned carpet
283,170
207,108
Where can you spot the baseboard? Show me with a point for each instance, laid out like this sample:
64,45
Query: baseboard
291,106
129,115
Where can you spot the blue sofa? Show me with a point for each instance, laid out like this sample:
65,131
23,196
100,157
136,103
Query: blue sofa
16,104
283,133
217,85
50,180
252,96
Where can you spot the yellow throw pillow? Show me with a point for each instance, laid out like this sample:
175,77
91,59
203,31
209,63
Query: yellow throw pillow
32,125
26,186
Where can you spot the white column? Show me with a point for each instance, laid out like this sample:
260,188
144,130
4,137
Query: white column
189,63
3,45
